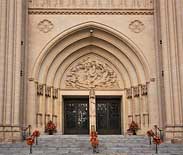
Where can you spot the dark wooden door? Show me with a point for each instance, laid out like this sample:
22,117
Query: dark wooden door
108,115
76,116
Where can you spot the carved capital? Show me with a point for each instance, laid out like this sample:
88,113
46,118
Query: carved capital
129,93
144,90
136,91
48,92
55,93
39,89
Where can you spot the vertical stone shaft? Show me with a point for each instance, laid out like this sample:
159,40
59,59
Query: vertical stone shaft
171,66
10,47
92,108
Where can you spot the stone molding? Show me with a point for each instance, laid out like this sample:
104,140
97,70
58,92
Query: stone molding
89,12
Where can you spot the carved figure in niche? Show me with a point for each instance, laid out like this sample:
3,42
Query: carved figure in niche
91,73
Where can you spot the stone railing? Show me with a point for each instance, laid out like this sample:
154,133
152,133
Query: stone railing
92,4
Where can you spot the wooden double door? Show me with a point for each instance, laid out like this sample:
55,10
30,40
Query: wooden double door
108,115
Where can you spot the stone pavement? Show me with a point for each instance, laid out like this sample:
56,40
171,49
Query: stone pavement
79,145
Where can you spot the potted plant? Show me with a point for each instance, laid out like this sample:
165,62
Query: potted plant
50,127
133,128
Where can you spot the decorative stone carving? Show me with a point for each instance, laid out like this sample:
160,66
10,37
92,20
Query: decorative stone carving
136,26
92,4
90,73
45,26
144,90
136,91
48,92
39,89
128,93
55,93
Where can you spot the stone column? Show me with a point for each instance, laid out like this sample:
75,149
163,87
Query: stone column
10,67
92,109
171,29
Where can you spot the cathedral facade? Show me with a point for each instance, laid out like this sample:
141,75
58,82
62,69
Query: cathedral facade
91,64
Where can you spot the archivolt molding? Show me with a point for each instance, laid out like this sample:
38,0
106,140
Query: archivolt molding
96,53
112,33
71,31
126,68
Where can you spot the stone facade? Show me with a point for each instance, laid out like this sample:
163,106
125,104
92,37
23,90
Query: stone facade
56,48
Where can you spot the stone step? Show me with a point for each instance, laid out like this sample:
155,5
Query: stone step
80,145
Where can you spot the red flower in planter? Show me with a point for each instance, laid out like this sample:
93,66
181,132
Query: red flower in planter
133,128
30,140
36,133
150,133
50,127
94,139
157,140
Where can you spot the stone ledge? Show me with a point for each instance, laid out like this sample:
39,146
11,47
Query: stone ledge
177,141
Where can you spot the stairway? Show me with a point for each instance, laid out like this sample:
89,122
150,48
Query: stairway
79,145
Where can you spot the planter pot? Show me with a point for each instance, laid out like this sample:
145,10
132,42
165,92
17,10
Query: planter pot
50,132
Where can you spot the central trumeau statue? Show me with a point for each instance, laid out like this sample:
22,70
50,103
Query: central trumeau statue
91,73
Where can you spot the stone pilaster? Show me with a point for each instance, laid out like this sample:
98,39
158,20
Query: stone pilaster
170,14
10,47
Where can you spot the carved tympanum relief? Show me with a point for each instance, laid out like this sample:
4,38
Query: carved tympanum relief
45,26
136,26
91,73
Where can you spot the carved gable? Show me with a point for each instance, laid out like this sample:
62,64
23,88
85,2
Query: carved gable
91,73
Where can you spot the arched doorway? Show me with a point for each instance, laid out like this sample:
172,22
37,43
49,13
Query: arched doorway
91,57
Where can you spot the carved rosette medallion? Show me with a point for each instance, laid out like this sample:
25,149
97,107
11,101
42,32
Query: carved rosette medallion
136,26
90,73
45,26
